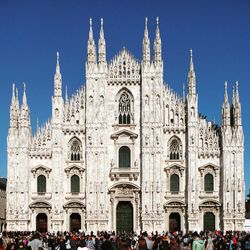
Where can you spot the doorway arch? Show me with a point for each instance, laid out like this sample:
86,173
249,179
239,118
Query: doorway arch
75,222
42,223
209,221
124,217
174,222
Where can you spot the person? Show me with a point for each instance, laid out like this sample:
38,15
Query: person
106,245
142,244
90,243
174,244
82,245
125,244
210,245
149,241
36,243
164,244
247,242
67,242
1,244
198,244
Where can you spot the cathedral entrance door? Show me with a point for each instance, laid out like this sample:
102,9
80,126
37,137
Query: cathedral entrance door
124,217
174,222
42,223
75,222
209,221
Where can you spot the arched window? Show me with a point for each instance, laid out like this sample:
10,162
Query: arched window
209,183
124,157
41,184
175,149
125,108
75,184
174,183
75,150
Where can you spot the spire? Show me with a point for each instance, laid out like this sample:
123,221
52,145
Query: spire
24,96
13,99
66,93
37,124
57,63
157,44
17,100
13,110
233,107
237,106
225,108
237,97
91,45
101,46
233,97
146,44
24,116
191,76
225,93
57,78
183,92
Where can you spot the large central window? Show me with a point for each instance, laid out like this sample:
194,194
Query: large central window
124,108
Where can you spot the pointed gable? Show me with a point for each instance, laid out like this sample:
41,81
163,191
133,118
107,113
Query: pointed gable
124,69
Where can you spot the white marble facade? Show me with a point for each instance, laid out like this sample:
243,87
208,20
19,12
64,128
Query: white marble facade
126,136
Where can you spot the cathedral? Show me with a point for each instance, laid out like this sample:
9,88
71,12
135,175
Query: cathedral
125,152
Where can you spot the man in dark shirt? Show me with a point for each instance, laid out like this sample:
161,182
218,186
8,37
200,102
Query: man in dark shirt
106,245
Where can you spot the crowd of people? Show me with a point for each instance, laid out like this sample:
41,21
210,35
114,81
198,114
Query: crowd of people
111,241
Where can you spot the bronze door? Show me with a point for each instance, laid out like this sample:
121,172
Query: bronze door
75,222
209,221
41,223
124,217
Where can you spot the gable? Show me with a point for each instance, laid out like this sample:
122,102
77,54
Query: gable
124,68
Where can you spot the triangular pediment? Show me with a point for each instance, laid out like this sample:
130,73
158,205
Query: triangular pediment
209,165
124,133
41,169
124,68
74,167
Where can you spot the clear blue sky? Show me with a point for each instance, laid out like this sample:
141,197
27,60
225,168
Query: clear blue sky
32,31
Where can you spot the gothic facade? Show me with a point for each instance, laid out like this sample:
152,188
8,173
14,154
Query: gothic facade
125,153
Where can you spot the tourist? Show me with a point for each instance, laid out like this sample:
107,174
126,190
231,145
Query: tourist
35,243
197,243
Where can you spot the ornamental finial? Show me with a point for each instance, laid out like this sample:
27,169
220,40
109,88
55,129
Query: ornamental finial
157,21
